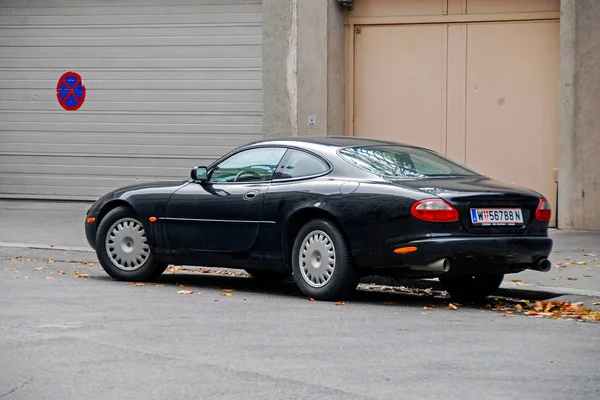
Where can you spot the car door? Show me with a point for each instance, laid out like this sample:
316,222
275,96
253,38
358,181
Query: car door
223,214
294,184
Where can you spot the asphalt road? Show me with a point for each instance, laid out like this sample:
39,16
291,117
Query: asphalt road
94,338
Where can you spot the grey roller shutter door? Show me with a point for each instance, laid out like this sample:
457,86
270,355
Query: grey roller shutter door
170,84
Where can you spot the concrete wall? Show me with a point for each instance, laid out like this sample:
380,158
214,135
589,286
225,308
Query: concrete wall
303,67
579,115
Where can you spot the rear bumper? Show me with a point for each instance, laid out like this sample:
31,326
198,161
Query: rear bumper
466,254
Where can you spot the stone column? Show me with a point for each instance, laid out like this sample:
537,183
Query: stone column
579,115
303,68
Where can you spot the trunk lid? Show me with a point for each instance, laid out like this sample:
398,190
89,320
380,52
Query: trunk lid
466,193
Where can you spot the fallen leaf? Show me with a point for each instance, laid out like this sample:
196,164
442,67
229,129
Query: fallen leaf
181,285
203,293
507,315
428,308
388,303
340,303
452,307
29,259
228,290
226,294
572,279
40,268
588,276
9,258
185,292
596,303
49,278
10,269
160,285
518,308
582,262
590,255
78,275
310,299
50,260
61,272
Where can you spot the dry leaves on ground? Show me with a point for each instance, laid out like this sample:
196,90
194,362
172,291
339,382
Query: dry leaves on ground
310,299
78,275
136,283
452,306
340,303
61,272
429,307
388,303
226,294
50,278
518,281
185,292
10,269
551,309
40,268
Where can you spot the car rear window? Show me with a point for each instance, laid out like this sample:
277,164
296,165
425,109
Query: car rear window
403,162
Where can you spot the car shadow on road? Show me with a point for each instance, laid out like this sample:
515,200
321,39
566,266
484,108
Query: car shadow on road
419,294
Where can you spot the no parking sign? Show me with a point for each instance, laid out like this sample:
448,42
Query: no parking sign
70,91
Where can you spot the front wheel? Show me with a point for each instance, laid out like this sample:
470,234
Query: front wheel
321,262
122,248
471,288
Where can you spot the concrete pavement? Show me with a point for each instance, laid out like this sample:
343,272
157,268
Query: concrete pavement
69,332
59,225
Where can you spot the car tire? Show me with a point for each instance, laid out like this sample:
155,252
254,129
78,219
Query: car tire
471,288
266,275
122,248
321,262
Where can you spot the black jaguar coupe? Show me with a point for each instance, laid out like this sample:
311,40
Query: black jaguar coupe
327,210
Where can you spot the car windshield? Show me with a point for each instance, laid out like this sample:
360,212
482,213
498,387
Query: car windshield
403,162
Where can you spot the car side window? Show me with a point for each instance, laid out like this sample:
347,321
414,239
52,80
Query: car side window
248,165
297,164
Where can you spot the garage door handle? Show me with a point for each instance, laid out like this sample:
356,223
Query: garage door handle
251,194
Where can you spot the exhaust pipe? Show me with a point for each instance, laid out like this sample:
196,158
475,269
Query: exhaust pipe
542,265
441,265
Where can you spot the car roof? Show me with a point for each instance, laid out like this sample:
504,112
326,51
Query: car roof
336,141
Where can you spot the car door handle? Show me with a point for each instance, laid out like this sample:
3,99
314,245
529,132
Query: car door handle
251,194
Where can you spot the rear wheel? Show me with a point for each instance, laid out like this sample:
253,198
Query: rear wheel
122,248
471,288
321,262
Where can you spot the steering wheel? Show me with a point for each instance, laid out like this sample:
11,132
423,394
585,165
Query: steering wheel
247,171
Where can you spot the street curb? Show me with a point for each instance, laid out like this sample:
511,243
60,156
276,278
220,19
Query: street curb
46,247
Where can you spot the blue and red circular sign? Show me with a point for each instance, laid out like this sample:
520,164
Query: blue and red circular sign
70,91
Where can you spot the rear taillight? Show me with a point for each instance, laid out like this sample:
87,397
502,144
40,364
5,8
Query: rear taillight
434,210
544,211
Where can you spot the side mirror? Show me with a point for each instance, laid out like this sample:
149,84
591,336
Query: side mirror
199,174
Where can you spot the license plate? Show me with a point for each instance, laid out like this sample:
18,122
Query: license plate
496,216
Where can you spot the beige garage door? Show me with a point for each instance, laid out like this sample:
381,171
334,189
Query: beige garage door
485,94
